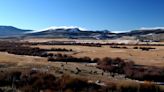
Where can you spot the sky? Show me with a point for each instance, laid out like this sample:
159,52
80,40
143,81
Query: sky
112,15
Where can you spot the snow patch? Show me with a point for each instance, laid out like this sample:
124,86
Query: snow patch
63,27
151,28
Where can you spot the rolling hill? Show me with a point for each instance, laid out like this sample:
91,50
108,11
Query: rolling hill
10,31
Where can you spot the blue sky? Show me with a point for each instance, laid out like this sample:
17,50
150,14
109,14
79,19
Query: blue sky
114,15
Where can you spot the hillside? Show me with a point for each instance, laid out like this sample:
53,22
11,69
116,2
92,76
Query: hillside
71,33
9,31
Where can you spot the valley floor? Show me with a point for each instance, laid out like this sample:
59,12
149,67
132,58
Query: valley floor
155,57
152,57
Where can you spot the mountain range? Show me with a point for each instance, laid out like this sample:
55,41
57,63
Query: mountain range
77,33
7,31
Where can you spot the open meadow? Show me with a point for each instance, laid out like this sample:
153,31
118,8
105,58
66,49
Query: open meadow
108,66
154,57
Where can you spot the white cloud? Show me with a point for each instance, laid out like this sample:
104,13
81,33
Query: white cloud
149,28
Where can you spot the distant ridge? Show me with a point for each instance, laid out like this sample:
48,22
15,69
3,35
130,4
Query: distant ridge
145,32
64,27
8,31
69,33
79,33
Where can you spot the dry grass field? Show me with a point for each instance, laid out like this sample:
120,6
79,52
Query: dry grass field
18,61
12,62
152,57
22,62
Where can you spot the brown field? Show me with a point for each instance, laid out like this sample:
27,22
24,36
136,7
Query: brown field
22,62
152,57
25,63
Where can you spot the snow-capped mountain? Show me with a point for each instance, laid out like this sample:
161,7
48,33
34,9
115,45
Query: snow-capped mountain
68,32
78,33
60,28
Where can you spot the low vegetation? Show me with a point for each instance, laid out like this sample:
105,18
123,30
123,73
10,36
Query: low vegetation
34,81
131,70
23,49
119,47
68,58
144,48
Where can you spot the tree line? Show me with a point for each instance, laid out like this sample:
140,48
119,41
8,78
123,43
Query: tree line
23,49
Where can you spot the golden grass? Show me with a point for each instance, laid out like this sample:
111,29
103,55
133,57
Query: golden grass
152,57
28,62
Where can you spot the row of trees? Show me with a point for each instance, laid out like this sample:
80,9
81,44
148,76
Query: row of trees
88,44
69,58
119,47
144,48
23,49
124,47
68,43
60,49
